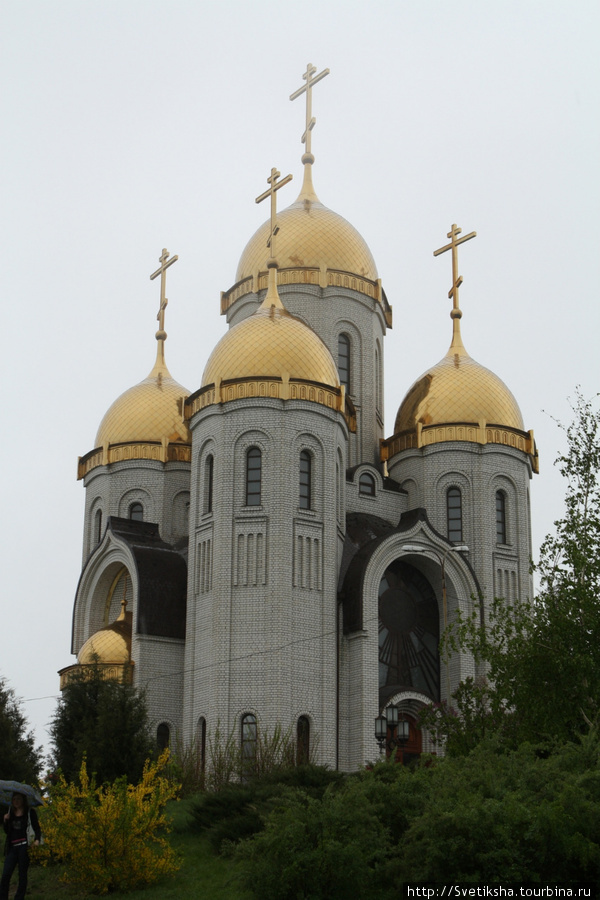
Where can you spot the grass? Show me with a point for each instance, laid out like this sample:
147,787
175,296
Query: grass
201,875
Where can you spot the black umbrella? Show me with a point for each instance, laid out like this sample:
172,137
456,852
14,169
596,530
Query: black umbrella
8,788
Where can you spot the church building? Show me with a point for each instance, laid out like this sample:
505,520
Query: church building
257,553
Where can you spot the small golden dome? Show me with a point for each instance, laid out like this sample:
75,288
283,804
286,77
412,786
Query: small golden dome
271,343
458,390
150,411
310,236
110,645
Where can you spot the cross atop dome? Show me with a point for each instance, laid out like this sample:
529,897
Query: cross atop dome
456,278
310,119
165,262
270,192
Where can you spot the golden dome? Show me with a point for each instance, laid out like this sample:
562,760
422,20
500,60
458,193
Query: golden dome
145,422
271,343
458,390
110,645
310,236
150,411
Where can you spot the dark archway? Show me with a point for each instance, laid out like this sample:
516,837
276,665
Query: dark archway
409,633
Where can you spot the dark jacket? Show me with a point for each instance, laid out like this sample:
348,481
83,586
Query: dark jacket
16,828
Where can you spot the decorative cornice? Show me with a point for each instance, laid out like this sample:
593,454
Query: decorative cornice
152,450
107,671
477,433
308,275
271,388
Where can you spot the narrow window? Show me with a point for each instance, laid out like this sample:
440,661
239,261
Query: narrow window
303,741
305,480
249,740
202,742
136,512
366,485
500,517
163,736
344,360
378,391
98,525
253,476
454,511
208,483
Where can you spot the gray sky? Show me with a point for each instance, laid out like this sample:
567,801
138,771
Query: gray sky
132,126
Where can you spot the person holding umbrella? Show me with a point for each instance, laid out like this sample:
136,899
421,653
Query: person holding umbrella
16,822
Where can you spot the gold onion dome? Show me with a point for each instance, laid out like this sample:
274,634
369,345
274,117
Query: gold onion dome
310,235
314,246
149,411
458,390
459,400
145,422
110,645
271,343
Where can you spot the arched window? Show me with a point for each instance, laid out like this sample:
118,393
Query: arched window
344,360
249,740
303,741
136,512
366,485
305,501
454,514
163,736
500,517
209,466
253,476
98,525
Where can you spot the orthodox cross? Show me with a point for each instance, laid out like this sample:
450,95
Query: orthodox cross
453,245
165,262
310,81
275,185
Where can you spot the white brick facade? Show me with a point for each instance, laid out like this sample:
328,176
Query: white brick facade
282,608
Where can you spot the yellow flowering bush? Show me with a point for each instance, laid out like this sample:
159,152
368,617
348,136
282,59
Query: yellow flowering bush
112,837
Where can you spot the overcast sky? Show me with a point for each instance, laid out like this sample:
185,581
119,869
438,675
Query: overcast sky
132,126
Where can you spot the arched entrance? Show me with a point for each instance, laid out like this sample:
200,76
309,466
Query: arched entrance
409,637
409,633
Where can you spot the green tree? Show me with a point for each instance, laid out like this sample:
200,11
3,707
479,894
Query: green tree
541,657
105,722
20,758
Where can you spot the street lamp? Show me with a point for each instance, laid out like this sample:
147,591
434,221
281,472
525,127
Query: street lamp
455,548
390,719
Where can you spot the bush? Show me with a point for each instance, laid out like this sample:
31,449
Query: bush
319,849
490,817
274,751
497,816
111,837
238,811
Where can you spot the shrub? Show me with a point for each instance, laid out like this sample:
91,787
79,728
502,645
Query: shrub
274,751
490,817
319,849
238,811
111,837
